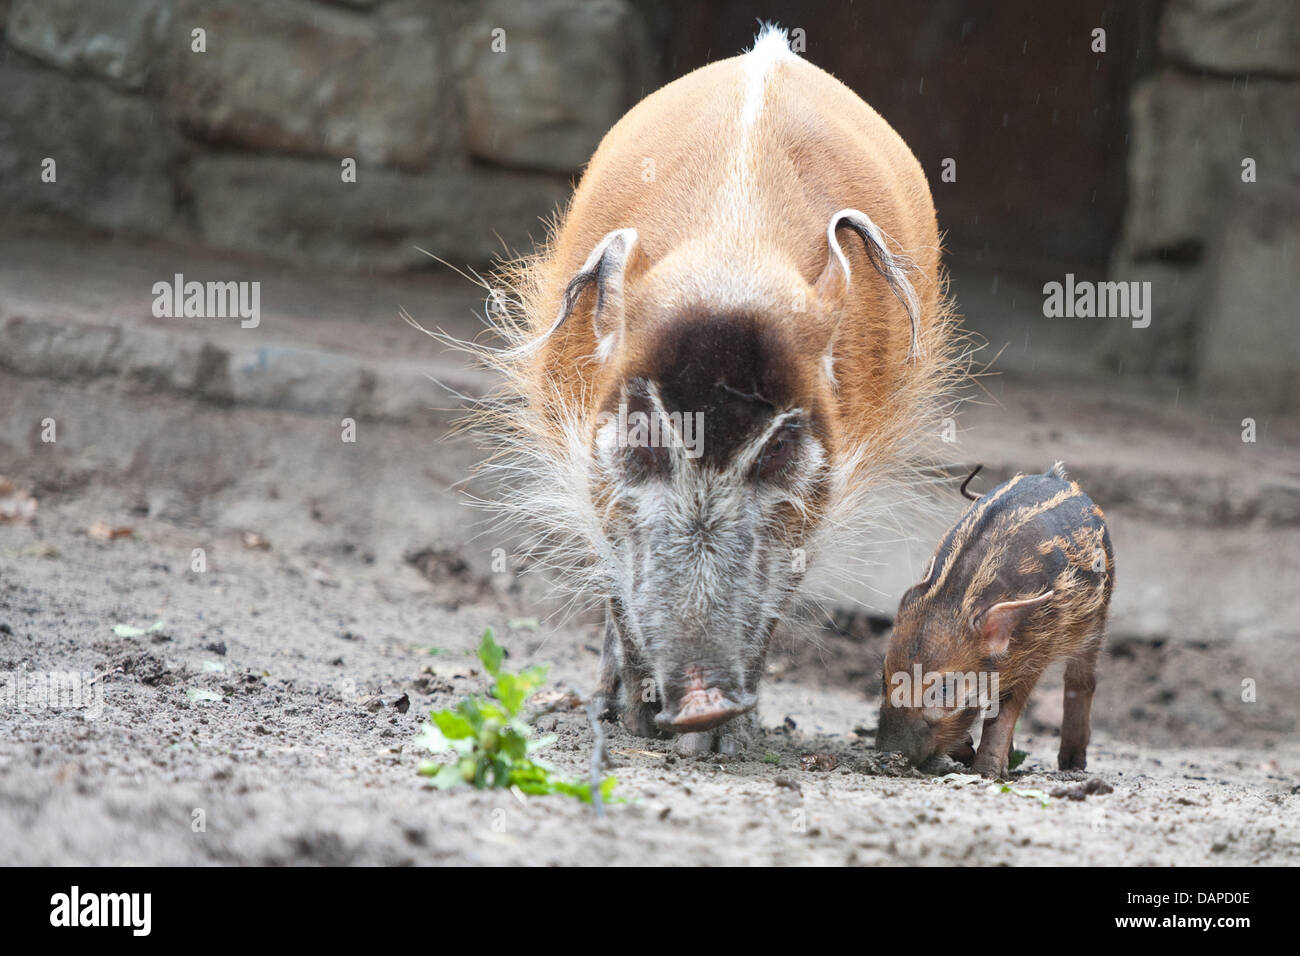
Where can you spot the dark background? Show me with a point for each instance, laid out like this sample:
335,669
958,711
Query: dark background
1036,120
1125,163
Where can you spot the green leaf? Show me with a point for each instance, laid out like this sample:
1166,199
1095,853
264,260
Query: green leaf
493,742
469,709
490,653
1016,759
531,678
445,775
513,689
607,788
513,744
454,726
1040,796
507,691
431,737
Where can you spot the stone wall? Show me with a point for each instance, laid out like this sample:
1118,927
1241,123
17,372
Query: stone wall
461,146
1213,217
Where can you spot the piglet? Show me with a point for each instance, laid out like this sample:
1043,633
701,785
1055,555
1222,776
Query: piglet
1022,580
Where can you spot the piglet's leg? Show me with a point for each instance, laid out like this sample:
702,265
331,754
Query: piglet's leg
995,743
1076,727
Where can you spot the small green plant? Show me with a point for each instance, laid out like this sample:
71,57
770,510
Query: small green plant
1016,758
492,744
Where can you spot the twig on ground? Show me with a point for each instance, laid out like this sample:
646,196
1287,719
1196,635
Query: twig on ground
597,755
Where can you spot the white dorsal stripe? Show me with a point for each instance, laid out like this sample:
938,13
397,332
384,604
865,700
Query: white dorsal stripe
770,47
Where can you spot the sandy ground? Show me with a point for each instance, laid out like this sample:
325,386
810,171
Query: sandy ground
269,717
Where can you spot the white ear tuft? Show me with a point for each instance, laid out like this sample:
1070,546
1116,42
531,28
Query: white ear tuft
893,267
605,267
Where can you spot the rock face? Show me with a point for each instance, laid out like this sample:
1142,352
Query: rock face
301,209
118,41
1230,36
112,154
1190,138
544,81
316,81
1249,347
228,120
1214,174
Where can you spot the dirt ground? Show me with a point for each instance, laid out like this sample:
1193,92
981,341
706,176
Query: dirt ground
263,710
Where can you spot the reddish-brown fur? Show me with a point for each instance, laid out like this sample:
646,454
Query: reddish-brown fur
750,243
816,148
1036,548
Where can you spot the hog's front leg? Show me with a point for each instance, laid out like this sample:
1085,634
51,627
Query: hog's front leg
611,667
621,664
1076,725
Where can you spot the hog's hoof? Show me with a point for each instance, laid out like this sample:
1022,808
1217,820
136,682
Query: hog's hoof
693,745
639,719
1072,760
708,742
729,739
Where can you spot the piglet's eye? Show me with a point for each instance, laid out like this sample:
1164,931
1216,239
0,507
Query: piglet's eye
778,453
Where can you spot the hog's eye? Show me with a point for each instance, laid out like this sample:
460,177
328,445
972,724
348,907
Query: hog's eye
778,453
644,463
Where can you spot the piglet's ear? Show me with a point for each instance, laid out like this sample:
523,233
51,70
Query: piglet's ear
994,627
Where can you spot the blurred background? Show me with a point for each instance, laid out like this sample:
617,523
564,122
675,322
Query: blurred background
1120,156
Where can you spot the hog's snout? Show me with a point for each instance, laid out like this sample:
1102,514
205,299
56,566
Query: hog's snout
702,700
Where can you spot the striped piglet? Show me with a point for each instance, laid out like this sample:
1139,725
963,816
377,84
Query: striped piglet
1022,580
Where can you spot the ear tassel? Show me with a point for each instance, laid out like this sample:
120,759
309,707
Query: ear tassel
893,267
604,267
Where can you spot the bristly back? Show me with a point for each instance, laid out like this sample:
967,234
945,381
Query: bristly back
1029,534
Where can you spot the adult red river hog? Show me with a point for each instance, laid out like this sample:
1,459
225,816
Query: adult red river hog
723,366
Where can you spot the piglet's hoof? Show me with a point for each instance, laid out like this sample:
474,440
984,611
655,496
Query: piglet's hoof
992,769
964,752
1072,760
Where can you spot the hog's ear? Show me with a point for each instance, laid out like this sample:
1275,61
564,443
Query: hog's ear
893,268
994,627
604,269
